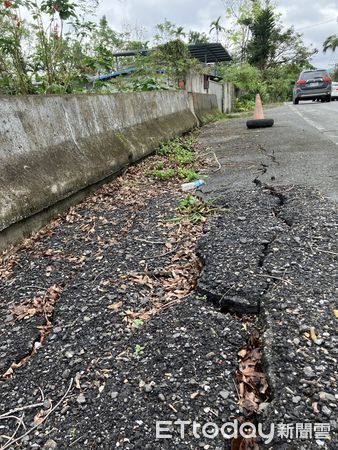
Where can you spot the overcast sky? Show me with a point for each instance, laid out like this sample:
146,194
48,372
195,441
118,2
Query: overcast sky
305,15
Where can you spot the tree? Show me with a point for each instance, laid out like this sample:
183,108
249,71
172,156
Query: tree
257,36
266,55
165,32
40,54
179,33
195,37
14,70
216,26
105,41
261,46
174,57
335,73
239,14
330,43
289,48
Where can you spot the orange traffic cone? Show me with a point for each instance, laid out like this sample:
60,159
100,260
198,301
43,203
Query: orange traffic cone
259,113
259,121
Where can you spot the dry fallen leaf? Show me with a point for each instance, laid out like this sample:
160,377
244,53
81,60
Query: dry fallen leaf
40,417
115,306
39,305
77,380
313,334
335,312
315,408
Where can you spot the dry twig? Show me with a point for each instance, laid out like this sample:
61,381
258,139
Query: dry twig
14,441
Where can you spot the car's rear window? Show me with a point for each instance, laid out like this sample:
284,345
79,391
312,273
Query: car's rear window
313,74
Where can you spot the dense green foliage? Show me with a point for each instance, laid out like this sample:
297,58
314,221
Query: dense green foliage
267,57
261,45
331,43
57,50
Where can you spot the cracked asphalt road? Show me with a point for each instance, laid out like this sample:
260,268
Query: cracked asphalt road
281,258
273,253
299,149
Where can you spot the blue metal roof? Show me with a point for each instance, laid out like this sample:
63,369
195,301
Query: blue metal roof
109,76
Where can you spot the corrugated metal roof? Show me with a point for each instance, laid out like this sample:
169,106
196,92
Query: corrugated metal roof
209,53
205,53
108,76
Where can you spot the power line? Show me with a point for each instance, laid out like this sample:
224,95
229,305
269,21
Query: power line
317,24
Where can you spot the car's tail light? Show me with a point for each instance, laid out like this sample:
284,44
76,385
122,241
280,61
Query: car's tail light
301,82
327,79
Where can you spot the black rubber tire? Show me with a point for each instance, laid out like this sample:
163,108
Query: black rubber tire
328,98
296,101
323,100
259,123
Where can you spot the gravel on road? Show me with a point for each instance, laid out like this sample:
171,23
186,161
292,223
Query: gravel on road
124,312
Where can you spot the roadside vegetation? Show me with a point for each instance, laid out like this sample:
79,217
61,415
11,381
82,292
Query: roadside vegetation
331,43
60,46
267,56
176,159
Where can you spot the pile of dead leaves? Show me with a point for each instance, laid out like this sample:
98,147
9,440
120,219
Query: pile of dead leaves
244,444
252,382
253,388
40,305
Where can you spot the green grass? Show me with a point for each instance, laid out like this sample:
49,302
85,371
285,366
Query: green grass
188,174
138,323
183,157
162,174
195,209
179,156
139,351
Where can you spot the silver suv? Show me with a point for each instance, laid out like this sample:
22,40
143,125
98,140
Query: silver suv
312,85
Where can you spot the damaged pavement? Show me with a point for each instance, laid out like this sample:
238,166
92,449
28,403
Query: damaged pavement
118,315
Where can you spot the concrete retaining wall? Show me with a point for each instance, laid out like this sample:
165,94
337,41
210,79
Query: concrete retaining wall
55,149
229,97
225,92
205,106
54,146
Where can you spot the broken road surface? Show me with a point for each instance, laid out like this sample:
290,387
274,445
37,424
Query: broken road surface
119,315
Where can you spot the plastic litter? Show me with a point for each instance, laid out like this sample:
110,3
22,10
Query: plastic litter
193,185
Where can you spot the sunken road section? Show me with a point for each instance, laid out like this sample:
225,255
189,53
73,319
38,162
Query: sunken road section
275,253
104,378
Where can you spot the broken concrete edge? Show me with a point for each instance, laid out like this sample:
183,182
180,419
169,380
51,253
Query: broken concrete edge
55,147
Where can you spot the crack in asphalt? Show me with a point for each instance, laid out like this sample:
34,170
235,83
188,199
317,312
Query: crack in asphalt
229,304
269,155
38,341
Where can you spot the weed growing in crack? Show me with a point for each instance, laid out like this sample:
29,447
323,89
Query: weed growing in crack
195,209
201,298
188,174
179,160
162,174
139,351
137,323
177,146
183,157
